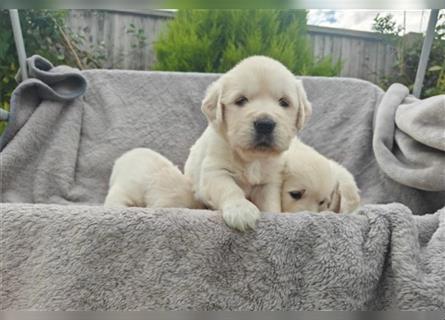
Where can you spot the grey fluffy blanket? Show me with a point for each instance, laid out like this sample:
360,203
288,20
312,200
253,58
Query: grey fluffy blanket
60,251
409,139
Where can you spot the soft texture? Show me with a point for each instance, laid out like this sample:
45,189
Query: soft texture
409,140
60,151
142,177
90,258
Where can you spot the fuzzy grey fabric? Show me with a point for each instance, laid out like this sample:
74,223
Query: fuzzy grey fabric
60,84
95,258
73,255
409,139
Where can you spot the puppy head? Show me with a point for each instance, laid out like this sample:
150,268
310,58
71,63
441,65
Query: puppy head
309,180
257,106
312,182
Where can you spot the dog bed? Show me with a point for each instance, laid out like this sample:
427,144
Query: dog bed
61,250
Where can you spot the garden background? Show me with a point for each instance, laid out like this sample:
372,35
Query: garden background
214,40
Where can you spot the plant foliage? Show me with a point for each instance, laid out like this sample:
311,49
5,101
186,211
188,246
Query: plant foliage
408,49
45,34
215,40
386,25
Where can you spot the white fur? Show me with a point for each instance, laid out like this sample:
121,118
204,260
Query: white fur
327,185
144,178
228,172
347,194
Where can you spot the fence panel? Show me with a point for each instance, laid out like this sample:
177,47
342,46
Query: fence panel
364,55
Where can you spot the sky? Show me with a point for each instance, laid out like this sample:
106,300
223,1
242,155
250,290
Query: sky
416,20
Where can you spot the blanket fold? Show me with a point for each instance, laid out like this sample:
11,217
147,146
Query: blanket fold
409,139
61,84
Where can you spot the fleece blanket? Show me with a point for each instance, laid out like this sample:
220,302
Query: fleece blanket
409,139
61,250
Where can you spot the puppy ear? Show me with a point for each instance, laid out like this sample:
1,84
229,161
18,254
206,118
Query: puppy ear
335,204
349,197
211,104
304,106
346,196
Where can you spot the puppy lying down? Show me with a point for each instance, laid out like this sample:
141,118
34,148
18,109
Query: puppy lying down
312,182
144,178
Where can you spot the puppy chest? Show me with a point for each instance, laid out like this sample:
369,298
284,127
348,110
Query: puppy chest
257,173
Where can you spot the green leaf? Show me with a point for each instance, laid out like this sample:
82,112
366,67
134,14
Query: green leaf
435,68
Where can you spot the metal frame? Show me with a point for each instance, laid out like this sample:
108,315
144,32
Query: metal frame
426,50
19,44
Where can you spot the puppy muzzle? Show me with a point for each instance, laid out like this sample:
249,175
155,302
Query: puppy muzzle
264,133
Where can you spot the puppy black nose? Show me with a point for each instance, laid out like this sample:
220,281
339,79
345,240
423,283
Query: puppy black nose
264,126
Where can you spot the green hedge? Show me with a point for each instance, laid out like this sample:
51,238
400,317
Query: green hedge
215,40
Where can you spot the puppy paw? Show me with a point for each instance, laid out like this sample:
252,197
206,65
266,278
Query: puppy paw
241,214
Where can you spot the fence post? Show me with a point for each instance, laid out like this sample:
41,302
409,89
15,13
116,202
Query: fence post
426,50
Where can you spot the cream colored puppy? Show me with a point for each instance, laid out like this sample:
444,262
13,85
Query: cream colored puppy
144,178
254,111
312,182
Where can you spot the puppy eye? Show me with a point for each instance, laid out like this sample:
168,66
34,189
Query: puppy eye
241,101
283,102
321,203
297,194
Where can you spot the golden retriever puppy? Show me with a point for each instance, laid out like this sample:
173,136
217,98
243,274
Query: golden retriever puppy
254,111
144,178
312,182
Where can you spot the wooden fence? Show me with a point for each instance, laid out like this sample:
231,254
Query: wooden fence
110,29
364,55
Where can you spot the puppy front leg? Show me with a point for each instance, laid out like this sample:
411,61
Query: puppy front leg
220,191
268,197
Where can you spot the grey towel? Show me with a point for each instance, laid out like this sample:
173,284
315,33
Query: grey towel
59,150
409,139
61,84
